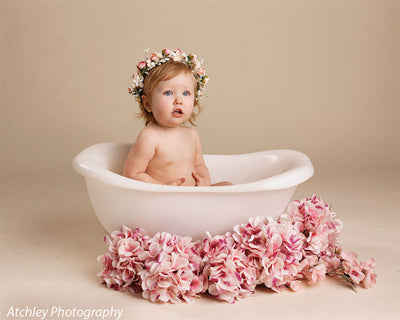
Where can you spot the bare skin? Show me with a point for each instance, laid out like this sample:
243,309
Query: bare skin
166,152
162,156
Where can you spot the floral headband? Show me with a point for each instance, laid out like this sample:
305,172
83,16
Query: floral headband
155,59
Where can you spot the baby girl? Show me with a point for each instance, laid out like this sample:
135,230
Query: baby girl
168,87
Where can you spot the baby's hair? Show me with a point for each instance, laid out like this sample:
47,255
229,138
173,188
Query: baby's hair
163,72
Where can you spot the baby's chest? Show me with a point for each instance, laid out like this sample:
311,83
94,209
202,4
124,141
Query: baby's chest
176,151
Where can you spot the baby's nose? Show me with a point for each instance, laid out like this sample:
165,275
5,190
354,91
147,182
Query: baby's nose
178,98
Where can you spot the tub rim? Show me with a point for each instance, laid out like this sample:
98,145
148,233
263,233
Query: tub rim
285,180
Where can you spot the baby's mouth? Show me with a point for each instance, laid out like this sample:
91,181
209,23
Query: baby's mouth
178,111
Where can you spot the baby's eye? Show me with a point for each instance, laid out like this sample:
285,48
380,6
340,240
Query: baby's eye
168,93
187,93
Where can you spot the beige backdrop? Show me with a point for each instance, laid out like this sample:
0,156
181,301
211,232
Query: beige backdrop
321,78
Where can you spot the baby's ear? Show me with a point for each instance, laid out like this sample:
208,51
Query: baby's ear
146,103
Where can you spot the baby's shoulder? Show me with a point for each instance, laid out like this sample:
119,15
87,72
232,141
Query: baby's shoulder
192,136
148,134
190,132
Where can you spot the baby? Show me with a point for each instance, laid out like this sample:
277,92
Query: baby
168,87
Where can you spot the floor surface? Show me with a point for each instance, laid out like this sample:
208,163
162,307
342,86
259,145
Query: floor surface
50,239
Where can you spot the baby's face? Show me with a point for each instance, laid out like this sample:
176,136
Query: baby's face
172,101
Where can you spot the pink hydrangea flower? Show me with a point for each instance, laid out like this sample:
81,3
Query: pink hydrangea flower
316,221
231,274
275,248
125,259
360,273
302,244
316,273
172,271
295,285
368,268
356,274
252,237
293,244
349,257
332,262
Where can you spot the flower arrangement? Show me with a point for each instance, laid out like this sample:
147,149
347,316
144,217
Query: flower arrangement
301,246
153,60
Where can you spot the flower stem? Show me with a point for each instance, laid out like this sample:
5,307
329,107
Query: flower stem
345,277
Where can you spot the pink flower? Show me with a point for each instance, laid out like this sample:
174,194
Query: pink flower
351,266
317,242
317,222
356,274
192,57
172,270
109,275
127,247
252,236
275,248
278,254
154,57
295,285
350,257
293,244
141,65
273,272
125,259
368,267
231,274
350,269
331,263
177,55
166,51
316,273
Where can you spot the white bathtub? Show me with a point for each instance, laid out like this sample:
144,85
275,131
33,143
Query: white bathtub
264,183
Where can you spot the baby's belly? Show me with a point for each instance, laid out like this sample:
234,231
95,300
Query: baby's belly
170,173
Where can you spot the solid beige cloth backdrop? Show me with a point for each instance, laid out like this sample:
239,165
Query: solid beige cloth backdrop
319,77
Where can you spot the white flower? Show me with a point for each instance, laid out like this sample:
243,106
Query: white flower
150,64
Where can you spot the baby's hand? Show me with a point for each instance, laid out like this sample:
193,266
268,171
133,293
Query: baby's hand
200,181
177,182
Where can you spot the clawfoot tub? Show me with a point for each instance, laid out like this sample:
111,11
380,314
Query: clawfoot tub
264,183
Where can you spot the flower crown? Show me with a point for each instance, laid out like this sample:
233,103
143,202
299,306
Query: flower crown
155,59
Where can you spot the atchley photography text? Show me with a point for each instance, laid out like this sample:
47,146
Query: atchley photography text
58,312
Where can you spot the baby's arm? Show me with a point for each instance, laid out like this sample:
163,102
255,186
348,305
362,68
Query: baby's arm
139,156
202,175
